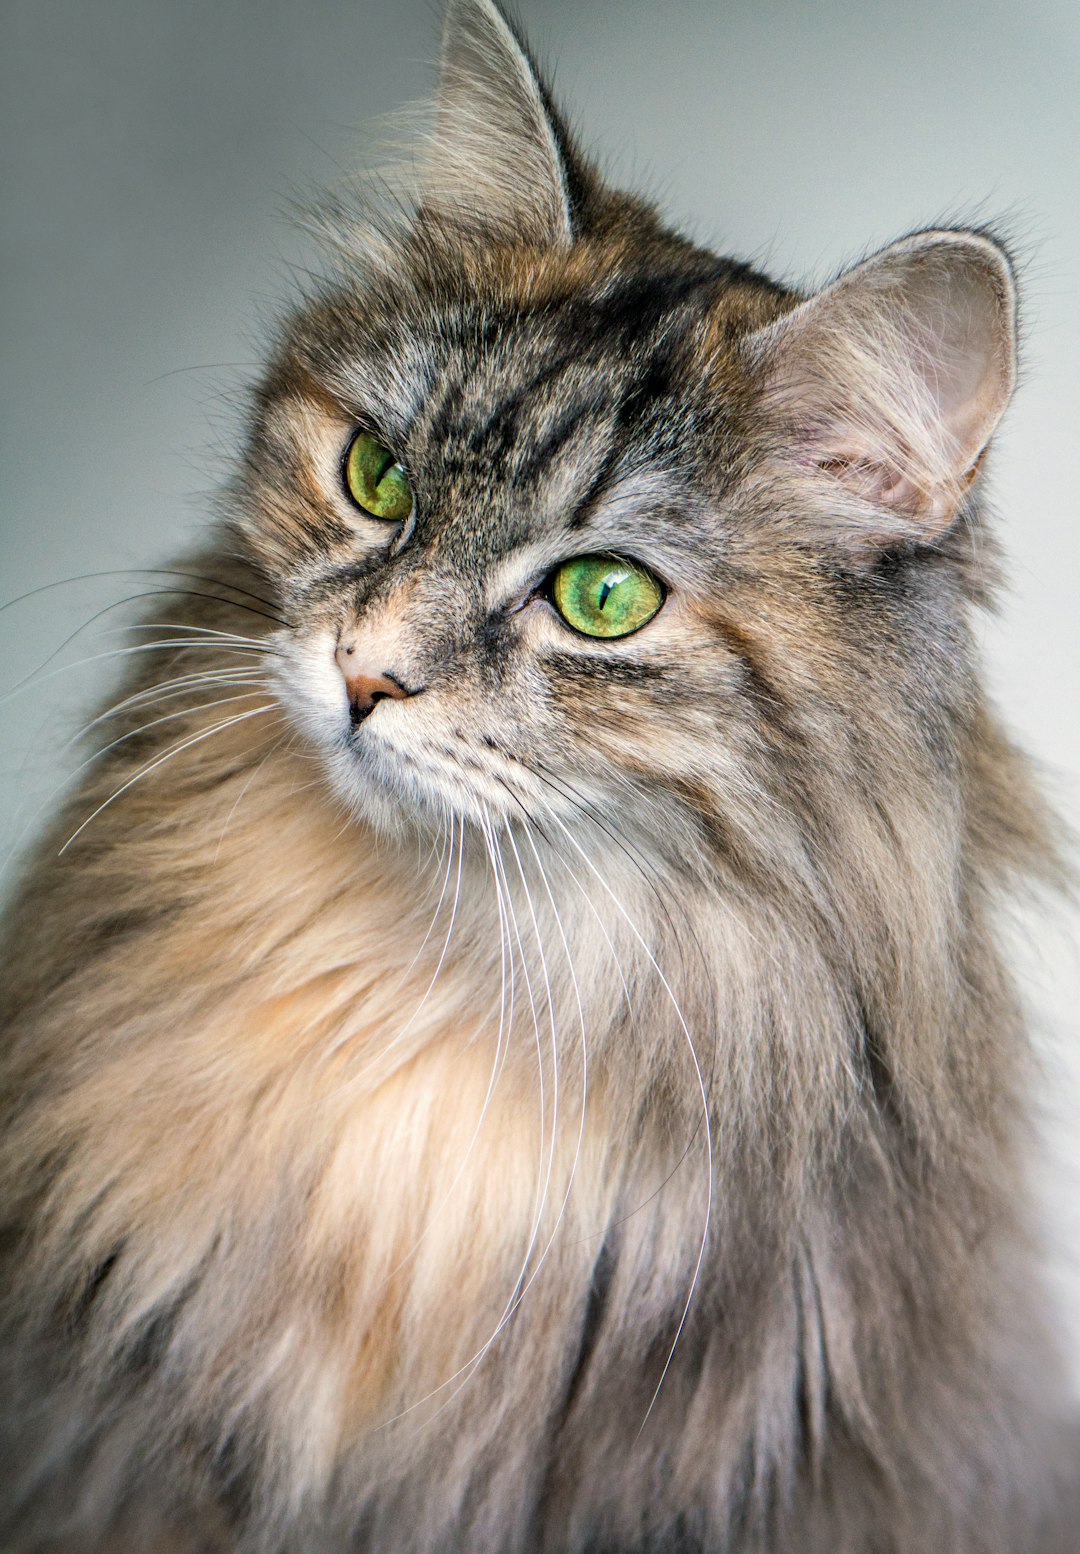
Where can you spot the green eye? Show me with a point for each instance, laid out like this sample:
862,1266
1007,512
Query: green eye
376,481
605,597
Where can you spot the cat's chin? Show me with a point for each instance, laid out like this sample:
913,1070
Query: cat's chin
399,791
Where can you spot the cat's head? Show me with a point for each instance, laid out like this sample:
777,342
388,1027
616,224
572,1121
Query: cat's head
567,511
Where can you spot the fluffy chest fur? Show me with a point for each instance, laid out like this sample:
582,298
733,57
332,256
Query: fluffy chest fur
420,1175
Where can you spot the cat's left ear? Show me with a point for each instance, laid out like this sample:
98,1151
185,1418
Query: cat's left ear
500,158
889,383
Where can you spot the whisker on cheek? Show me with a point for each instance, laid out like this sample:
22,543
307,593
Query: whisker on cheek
160,761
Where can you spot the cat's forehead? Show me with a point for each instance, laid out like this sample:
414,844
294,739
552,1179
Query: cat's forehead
470,349
515,395
499,385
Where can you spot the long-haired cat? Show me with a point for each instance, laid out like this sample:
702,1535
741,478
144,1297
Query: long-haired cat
508,1049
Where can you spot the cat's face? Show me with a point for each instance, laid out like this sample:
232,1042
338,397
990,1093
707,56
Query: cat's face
568,456
657,526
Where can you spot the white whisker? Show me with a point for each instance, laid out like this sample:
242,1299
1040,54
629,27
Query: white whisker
465,1370
199,631
70,777
554,1041
169,690
187,643
236,802
160,761
400,1035
496,1067
130,599
704,1106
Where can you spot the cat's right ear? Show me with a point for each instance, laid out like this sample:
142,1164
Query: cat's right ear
500,159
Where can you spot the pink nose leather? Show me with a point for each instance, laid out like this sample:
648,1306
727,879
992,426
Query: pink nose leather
364,690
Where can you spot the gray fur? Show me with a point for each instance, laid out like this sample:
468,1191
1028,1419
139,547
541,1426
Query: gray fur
734,1257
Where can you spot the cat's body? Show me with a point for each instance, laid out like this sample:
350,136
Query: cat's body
578,1111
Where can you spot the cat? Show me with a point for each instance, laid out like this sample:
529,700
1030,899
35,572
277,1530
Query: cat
508,1048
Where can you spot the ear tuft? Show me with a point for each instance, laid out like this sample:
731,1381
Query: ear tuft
498,159
892,380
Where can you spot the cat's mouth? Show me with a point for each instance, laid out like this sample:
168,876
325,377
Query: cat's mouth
432,775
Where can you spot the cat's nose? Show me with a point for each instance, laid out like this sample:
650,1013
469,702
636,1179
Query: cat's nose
363,688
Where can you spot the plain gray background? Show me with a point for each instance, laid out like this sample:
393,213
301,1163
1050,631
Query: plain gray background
151,149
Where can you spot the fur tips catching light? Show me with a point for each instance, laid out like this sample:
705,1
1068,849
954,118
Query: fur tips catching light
496,160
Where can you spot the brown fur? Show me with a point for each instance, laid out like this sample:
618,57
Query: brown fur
579,1109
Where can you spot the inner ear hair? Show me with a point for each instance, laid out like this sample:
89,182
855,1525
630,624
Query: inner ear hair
891,380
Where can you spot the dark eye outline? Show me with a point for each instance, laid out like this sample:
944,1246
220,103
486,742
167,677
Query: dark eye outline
546,590
354,501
